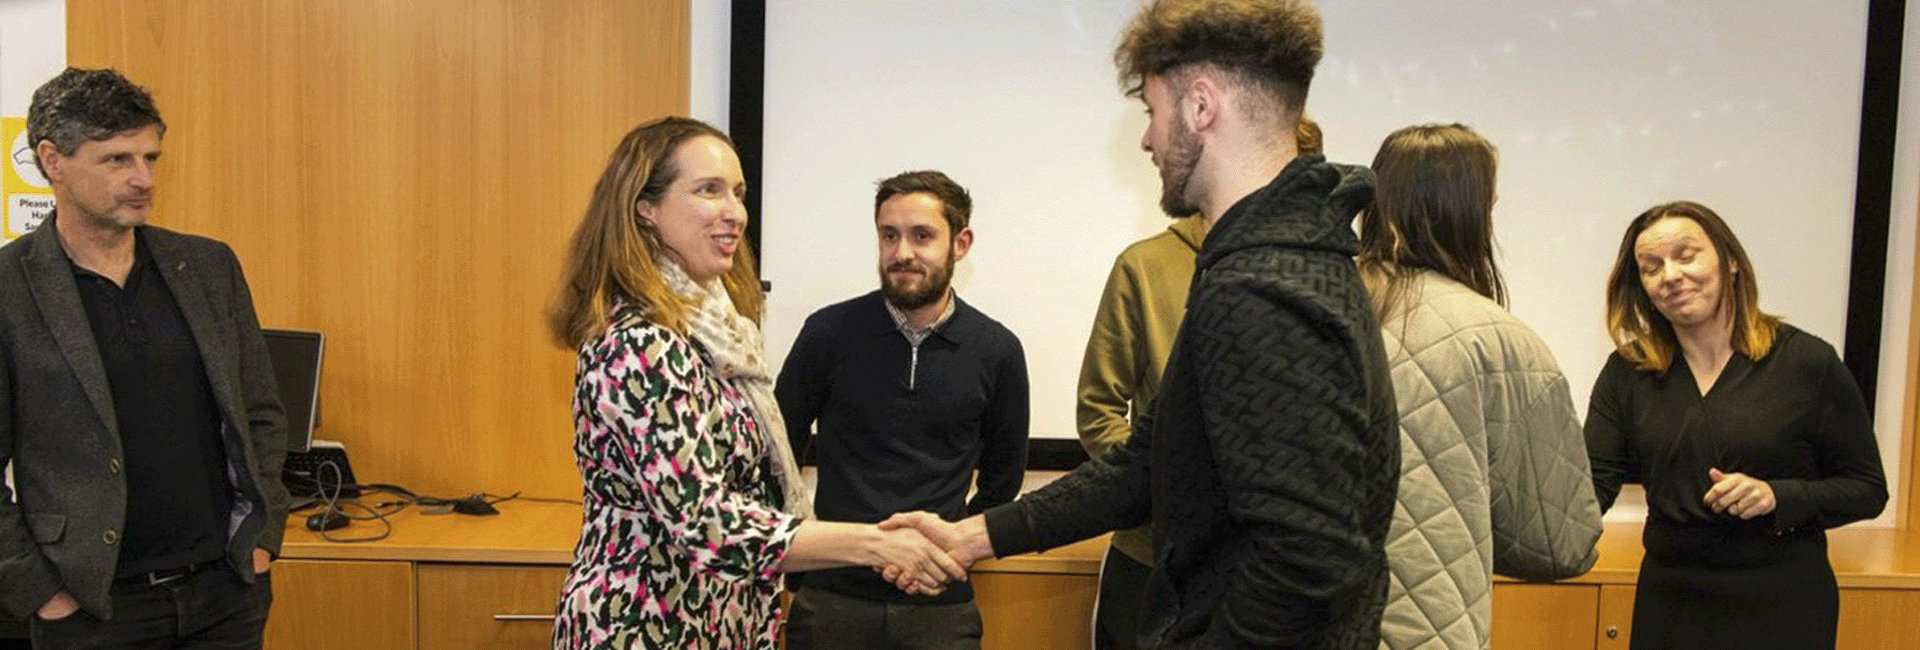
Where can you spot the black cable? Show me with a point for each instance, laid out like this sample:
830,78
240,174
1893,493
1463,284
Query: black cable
335,506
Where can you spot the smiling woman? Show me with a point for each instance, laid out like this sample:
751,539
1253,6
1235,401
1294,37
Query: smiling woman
699,215
693,503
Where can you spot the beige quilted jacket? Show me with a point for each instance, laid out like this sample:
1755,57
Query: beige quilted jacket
1493,467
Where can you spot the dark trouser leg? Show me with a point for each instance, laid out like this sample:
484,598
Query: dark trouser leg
142,620
210,610
219,612
954,626
823,620
1116,619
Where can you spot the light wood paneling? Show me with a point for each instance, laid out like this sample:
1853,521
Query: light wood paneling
334,605
403,176
1022,611
467,607
1544,616
1615,626
1879,619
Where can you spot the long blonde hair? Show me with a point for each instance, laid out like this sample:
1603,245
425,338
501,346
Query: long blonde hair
612,255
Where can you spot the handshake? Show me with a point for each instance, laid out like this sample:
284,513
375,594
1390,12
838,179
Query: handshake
920,553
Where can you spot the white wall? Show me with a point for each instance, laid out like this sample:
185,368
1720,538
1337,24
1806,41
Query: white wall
33,48
711,61
1600,109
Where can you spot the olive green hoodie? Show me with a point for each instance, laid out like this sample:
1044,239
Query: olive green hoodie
1133,333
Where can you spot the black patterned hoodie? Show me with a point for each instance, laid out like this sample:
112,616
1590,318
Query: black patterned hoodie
1269,462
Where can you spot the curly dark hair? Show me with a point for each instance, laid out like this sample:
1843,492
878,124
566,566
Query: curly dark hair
1273,45
81,105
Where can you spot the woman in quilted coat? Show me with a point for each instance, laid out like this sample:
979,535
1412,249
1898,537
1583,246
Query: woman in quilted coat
1750,435
693,505
1493,469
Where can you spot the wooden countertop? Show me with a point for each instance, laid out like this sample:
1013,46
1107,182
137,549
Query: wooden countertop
544,533
527,532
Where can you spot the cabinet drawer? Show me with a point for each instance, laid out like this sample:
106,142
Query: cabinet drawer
481,607
340,605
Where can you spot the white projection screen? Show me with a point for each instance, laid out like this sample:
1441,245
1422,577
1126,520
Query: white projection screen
1600,110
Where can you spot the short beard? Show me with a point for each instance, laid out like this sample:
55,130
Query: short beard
1176,172
930,291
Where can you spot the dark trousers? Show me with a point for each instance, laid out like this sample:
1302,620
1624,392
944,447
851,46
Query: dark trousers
823,620
209,610
1116,615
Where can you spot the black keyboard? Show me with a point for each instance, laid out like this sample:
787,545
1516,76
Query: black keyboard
318,472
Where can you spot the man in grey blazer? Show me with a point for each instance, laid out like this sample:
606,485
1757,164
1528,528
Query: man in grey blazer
137,403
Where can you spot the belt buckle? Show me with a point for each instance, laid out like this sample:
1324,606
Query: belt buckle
167,577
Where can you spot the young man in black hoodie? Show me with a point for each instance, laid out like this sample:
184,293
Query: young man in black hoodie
1268,464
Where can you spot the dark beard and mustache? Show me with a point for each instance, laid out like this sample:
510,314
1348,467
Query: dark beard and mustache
907,296
1176,172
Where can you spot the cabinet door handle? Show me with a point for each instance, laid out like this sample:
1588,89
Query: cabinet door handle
1613,631
523,617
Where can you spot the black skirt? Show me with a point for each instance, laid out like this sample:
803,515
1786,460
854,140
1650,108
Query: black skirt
1734,585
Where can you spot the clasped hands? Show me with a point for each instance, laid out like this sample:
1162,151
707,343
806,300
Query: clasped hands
1739,495
933,552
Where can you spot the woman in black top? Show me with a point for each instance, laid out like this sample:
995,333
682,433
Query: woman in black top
1749,434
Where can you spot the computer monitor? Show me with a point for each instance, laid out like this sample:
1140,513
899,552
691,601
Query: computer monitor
296,368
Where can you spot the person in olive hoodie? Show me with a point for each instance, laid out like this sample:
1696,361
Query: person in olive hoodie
1268,463
1133,332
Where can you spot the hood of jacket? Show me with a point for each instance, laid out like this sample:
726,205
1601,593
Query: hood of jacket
1310,204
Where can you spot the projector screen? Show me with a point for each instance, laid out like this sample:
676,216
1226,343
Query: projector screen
1600,110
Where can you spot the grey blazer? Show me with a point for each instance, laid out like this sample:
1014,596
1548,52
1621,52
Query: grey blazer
57,419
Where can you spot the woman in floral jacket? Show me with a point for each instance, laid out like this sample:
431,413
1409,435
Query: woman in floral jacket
693,503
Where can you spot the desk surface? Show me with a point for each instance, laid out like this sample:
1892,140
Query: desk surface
544,533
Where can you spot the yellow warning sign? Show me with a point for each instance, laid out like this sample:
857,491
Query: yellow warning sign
29,197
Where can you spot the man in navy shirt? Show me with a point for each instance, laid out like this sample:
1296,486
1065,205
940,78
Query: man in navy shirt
913,395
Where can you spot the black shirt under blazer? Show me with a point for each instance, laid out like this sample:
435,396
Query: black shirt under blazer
57,422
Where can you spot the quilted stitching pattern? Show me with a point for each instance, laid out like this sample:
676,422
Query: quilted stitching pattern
1493,467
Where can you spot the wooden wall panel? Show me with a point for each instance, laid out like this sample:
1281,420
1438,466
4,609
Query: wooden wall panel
403,176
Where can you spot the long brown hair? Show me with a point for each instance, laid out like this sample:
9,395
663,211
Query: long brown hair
1432,210
1643,335
611,257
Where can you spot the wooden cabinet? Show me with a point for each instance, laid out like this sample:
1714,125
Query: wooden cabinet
476,607
1543,616
491,583
1616,617
1023,611
1870,619
340,605
1879,619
